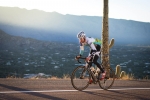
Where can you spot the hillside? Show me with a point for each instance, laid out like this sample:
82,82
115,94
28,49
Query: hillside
21,56
30,56
52,26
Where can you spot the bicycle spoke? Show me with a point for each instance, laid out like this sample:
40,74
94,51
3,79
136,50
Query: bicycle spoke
80,78
107,83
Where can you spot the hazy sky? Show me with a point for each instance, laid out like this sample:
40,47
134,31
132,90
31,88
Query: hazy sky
138,10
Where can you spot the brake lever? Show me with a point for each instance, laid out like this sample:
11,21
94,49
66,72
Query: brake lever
78,61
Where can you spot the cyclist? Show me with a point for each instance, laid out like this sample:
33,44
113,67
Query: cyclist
95,46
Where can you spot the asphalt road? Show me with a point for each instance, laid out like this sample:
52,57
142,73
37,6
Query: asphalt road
61,89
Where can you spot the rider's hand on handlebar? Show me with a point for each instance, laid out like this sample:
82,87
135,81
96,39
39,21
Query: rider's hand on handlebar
77,57
87,59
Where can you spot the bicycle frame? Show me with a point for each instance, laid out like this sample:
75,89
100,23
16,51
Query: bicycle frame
87,66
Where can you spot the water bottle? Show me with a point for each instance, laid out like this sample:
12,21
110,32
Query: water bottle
93,72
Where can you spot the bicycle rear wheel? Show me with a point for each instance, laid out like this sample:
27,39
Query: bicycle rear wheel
107,83
77,82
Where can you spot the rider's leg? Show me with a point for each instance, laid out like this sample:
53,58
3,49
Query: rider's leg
95,58
103,74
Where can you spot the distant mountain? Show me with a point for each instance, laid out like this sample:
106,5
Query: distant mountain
52,26
10,42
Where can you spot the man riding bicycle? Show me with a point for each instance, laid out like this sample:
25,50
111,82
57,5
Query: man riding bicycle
95,47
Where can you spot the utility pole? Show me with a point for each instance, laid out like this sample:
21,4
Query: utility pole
105,38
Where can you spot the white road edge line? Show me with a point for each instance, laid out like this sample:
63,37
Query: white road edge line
5,92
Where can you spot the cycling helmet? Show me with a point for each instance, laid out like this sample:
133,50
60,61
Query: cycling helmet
81,34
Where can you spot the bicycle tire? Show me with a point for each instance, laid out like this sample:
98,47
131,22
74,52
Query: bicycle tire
77,83
107,83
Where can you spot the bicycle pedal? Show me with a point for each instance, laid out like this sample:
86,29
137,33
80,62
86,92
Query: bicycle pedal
106,77
90,81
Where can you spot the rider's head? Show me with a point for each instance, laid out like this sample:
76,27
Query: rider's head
81,36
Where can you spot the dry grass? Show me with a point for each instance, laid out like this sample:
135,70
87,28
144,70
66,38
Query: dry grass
54,77
66,76
146,77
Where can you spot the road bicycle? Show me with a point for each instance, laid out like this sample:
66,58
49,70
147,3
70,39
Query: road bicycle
84,75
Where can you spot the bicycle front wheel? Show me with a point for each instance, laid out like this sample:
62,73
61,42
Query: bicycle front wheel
80,78
107,83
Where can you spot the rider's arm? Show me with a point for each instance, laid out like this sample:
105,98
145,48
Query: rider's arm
93,49
91,44
81,50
